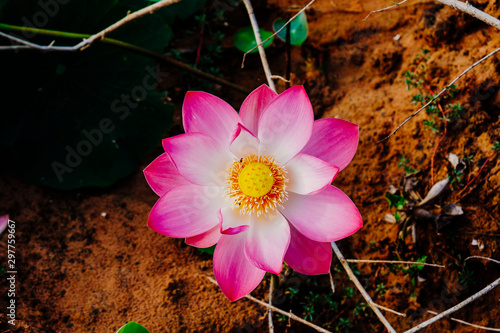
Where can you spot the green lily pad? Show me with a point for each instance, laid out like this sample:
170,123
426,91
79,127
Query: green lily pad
132,327
298,29
85,118
244,39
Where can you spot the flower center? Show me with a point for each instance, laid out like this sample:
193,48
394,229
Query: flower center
256,180
256,185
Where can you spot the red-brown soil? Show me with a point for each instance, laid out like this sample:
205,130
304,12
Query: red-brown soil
87,262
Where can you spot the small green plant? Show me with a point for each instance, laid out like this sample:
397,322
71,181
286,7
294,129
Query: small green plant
466,276
343,325
348,292
456,177
469,158
412,272
291,292
416,78
404,163
308,307
396,201
381,289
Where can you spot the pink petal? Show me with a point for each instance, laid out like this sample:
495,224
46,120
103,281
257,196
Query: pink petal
308,174
206,239
210,115
326,216
334,141
267,242
186,211
162,175
244,142
253,105
307,256
235,275
232,222
199,158
285,125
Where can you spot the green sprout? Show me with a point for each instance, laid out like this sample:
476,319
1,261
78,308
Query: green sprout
396,201
403,163
381,289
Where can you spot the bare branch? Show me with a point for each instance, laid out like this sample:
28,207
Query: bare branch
466,7
384,9
288,314
270,312
469,324
440,93
393,262
98,36
277,32
389,310
117,43
361,289
141,12
262,53
332,284
278,77
485,258
455,308
28,45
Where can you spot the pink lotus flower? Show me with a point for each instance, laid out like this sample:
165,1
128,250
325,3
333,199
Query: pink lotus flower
256,184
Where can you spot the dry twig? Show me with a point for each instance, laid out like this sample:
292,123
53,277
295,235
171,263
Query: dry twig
389,310
455,308
332,284
270,312
259,44
393,262
440,93
469,324
465,7
288,314
141,12
384,9
111,41
98,36
361,289
485,258
262,53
